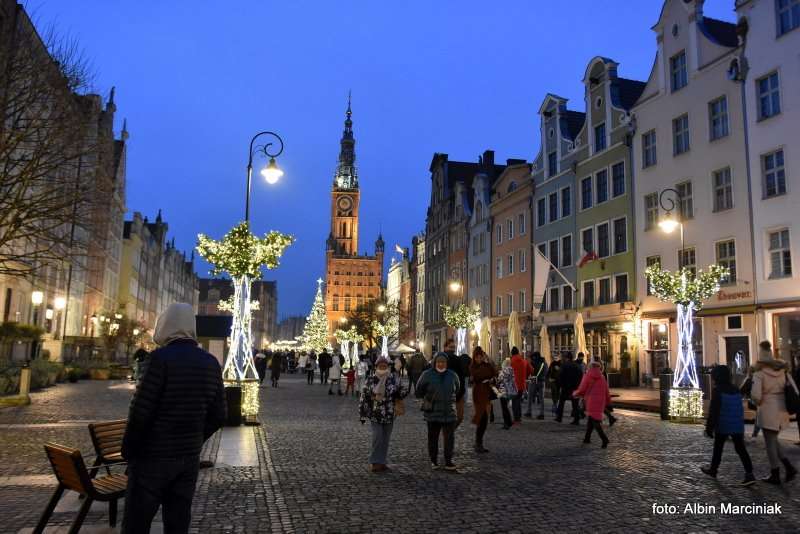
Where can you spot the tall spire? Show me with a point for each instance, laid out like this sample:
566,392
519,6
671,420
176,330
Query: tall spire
346,176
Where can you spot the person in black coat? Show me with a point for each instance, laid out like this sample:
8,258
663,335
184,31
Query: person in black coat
456,364
178,405
324,362
569,378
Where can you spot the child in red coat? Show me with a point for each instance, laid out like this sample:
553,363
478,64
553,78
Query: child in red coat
351,381
596,397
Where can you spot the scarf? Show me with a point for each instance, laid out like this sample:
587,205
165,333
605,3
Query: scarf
379,389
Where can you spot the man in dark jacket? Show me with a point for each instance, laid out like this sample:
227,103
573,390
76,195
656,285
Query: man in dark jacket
726,419
179,404
325,361
569,378
416,366
456,364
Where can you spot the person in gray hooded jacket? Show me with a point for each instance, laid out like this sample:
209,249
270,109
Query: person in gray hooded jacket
438,388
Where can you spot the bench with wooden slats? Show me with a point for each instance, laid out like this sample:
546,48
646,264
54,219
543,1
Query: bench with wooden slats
107,441
71,472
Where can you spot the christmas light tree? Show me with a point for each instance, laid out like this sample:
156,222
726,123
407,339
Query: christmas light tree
315,332
462,318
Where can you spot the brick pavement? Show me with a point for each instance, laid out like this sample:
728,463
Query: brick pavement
312,474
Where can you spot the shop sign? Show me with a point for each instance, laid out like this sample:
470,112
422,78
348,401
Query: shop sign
734,295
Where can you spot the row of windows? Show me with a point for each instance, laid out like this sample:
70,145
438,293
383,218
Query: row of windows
595,189
358,283
558,251
606,238
547,208
509,301
601,290
507,268
349,273
509,228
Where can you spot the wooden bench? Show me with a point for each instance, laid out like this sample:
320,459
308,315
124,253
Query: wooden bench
107,441
71,472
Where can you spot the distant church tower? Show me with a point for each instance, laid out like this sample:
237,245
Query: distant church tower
351,280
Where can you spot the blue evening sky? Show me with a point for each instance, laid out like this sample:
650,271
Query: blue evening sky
197,78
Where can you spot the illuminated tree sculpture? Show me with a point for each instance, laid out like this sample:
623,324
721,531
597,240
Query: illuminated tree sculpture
687,291
462,318
242,255
345,338
315,331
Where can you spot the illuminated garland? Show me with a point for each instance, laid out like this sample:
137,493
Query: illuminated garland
683,287
241,253
227,305
462,316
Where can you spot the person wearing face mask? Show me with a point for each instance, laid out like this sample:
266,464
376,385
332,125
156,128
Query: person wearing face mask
483,374
438,387
381,391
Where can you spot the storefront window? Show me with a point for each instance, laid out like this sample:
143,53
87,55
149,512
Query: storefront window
659,347
561,341
597,345
786,331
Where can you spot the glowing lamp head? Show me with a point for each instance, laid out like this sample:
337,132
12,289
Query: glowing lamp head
60,303
381,308
37,297
136,332
668,224
342,320
455,286
272,173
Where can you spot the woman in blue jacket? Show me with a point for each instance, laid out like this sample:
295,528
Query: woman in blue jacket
726,419
438,387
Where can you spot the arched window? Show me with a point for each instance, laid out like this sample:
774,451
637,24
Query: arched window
512,187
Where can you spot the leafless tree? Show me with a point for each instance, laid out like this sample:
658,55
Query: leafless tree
49,144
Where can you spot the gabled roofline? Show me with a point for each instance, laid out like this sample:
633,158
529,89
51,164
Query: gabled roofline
597,59
548,97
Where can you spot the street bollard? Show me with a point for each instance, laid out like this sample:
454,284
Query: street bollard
25,383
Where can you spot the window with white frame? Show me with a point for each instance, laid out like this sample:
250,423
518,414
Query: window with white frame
586,193
552,164
542,248
726,257
566,250
601,186
620,235
498,306
566,201
604,290
618,179
482,242
680,134
510,229
587,289
769,95
687,258
774,174
566,297
587,240
510,267
554,298
734,322
510,303
723,189
521,223
621,287
600,137
554,252
788,15
780,255
523,260
499,231
553,206
521,301
718,118
499,269
649,262
649,149
603,244
650,211
540,212
685,202
677,69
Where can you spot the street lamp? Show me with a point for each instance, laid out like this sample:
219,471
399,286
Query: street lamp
381,308
271,173
457,287
669,222
37,297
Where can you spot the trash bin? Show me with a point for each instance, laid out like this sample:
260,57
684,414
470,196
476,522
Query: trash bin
233,400
665,384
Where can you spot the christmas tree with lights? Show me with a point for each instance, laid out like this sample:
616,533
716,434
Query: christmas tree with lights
315,332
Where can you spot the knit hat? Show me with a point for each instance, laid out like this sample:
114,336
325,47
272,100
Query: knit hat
383,359
440,355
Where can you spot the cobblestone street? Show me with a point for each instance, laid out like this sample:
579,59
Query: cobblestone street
309,472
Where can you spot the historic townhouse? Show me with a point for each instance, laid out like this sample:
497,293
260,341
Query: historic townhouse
554,222
770,77
604,214
689,137
480,245
417,275
510,253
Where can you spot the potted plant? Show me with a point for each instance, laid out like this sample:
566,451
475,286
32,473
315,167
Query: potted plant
73,375
99,370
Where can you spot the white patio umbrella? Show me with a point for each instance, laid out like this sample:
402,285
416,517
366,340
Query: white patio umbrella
544,344
514,334
484,334
580,337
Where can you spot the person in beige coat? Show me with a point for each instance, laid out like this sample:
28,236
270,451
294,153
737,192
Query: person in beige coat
769,382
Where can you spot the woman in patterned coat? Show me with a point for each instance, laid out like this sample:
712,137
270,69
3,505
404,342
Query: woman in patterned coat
378,401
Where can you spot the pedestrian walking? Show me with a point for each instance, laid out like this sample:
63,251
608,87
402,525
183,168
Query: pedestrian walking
260,363
508,390
522,371
179,404
456,364
335,375
536,385
569,378
482,373
438,388
324,362
553,382
596,396
350,377
275,367
746,390
378,402
416,366
311,363
362,371
726,420
769,393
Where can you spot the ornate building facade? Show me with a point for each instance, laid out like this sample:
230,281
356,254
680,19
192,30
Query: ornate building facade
351,279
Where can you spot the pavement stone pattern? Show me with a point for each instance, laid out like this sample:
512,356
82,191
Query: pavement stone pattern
312,474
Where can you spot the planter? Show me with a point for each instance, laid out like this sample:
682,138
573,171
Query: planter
614,380
99,374
626,377
52,378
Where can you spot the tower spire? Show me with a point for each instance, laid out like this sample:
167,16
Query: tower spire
346,176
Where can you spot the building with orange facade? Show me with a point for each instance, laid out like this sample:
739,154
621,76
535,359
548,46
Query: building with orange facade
350,279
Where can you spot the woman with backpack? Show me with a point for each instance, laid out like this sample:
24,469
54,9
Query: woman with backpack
596,397
726,419
771,383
